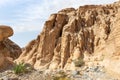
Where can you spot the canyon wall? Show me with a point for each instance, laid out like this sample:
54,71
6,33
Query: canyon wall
90,33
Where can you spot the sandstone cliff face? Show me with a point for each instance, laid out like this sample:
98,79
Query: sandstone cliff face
90,32
9,51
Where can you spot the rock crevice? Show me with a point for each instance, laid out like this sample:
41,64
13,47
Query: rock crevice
91,30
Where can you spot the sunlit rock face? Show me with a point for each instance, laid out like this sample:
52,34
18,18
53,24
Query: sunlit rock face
5,32
9,51
91,32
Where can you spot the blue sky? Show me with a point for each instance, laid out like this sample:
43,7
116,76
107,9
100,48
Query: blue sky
27,17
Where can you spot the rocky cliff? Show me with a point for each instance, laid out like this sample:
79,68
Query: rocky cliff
9,51
89,33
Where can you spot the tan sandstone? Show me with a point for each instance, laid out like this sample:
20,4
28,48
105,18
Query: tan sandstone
5,32
9,51
91,32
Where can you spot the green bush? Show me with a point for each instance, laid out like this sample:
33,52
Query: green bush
19,68
78,62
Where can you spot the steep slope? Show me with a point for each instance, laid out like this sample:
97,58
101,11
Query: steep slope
90,33
9,51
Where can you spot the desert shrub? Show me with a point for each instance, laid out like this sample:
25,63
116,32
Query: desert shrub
78,62
19,68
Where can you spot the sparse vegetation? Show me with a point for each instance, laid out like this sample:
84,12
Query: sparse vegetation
19,68
61,76
78,62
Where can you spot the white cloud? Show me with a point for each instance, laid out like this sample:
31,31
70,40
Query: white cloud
2,2
33,15
28,16
7,2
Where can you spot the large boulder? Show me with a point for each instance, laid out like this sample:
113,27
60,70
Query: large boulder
5,32
91,32
9,51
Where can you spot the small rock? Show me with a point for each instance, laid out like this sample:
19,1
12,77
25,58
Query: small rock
85,76
77,76
13,78
41,72
9,72
46,72
1,79
84,68
75,73
96,68
5,78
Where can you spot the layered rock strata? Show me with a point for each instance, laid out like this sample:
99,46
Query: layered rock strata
90,32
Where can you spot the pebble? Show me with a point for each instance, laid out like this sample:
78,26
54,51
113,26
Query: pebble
13,78
85,73
74,72
4,78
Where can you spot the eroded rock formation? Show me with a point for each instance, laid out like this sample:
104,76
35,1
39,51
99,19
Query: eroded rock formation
90,32
9,51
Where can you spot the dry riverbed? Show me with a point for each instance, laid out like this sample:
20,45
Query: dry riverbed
83,73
